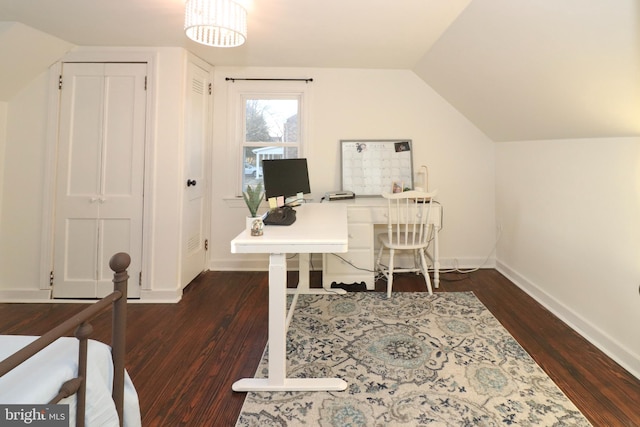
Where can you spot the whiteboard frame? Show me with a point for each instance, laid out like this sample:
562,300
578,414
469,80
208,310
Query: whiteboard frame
378,178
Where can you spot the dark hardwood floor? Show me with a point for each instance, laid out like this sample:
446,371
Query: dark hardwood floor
184,357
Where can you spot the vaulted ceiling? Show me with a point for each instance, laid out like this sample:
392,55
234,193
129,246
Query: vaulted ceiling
518,69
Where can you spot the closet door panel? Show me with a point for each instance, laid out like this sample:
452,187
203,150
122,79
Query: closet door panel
100,175
81,109
116,235
78,181
122,171
79,268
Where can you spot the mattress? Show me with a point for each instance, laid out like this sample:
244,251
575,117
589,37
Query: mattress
38,380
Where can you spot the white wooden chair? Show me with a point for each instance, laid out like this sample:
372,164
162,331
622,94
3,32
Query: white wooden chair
408,229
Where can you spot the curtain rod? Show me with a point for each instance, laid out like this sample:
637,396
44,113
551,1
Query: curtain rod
233,79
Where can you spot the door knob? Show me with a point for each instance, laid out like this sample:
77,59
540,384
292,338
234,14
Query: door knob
191,182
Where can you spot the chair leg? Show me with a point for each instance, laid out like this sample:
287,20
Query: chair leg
379,259
425,271
416,261
390,275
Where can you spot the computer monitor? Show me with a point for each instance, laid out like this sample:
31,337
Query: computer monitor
285,177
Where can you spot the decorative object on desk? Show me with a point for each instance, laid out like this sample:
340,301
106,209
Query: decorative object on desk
253,197
255,225
412,360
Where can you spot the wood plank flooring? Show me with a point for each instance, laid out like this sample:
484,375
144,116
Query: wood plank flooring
184,357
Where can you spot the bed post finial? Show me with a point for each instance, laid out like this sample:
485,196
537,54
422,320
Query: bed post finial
119,264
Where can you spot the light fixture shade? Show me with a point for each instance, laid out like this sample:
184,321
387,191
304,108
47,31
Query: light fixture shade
219,23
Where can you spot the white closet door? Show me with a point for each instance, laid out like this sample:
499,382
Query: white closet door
99,188
195,201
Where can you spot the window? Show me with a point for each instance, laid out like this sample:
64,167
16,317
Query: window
271,131
269,124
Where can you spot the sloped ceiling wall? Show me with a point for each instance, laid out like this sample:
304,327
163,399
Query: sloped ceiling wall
518,69
26,53
544,69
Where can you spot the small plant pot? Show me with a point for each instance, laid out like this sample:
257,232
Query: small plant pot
255,226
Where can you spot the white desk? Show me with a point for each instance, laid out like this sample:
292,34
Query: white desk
363,213
319,228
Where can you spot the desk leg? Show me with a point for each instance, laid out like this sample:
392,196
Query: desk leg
436,259
304,280
303,273
277,380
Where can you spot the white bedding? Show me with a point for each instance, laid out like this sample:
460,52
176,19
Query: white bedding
38,380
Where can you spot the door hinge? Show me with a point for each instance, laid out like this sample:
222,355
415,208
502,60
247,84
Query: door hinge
206,244
210,89
145,82
51,276
140,279
60,82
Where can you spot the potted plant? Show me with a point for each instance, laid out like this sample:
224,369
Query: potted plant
253,197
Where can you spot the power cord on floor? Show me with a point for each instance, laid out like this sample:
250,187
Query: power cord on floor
352,264
455,269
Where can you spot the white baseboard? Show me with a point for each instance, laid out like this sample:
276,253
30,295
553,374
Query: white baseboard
44,296
586,329
22,295
151,296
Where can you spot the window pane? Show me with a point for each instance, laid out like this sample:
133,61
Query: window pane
271,120
253,157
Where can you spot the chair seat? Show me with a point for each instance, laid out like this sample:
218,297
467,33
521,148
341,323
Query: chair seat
402,243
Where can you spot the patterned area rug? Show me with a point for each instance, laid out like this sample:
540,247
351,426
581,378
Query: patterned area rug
411,360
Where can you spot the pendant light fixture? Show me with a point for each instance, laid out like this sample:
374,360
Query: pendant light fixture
217,23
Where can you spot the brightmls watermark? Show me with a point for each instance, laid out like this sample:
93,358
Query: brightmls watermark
34,415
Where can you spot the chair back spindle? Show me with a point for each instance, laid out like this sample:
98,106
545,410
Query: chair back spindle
409,217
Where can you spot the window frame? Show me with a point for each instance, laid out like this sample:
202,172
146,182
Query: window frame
240,92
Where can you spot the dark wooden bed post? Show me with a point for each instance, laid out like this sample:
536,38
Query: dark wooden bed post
83,331
119,264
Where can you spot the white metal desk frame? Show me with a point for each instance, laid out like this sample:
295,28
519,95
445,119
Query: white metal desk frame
319,228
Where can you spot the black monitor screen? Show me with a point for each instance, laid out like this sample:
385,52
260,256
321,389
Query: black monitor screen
285,177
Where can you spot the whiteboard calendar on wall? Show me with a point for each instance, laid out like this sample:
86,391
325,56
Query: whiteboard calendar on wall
373,167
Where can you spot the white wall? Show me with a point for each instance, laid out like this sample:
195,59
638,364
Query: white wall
368,104
22,192
3,140
571,216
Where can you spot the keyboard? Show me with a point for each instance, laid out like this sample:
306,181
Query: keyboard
280,216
